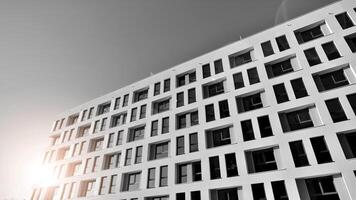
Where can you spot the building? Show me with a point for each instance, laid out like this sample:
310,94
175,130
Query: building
272,116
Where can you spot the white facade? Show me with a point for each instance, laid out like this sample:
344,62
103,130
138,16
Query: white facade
307,146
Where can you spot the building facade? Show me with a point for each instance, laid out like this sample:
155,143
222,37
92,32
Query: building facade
272,116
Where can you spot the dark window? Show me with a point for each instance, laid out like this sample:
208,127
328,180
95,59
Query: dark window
151,178
214,167
167,85
309,34
196,171
191,95
180,99
165,125
218,66
154,128
344,20
211,90
321,150
225,194
117,103
265,126
239,59
298,153
279,68
193,142
238,80
180,196
281,93
279,190
330,80
253,76
195,195
102,109
231,166
126,100
180,145
331,50
351,41
322,188
335,109
267,48
206,70
161,106
247,130
163,176
352,101
258,191
312,56
194,120
224,109
181,80
299,119
264,160
282,43
159,150
140,95
192,77
143,111
347,142
299,88
209,112
219,137
136,133
133,114
181,121
157,88
251,102
182,173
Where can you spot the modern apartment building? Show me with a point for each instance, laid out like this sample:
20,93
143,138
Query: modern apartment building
272,116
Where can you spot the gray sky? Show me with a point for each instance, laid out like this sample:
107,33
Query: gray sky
55,55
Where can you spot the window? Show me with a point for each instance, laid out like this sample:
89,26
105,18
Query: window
151,177
91,113
267,48
118,119
131,181
192,77
128,157
182,119
103,108
209,113
321,150
299,88
352,100
247,130
136,133
167,85
312,57
126,100
138,157
299,119
86,188
279,68
298,153
231,166
112,187
331,51
281,93
351,42
73,119
214,167
210,90
119,137
218,66
191,96
218,137
330,80
180,196
180,99
206,70
322,188
83,131
265,126
193,142
344,20
96,144
180,145
193,168
158,150
133,114
140,95
335,109
253,76
279,190
117,103
282,43
225,194
347,142
183,79
165,125
310,32
224,109
258,191
103,124
195,195
238,81
112,160
157,88
163,176
143,111
261,160
160,106
84,115
240,58
250,102
154,128
155,198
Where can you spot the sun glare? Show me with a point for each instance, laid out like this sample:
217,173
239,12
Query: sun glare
41,176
